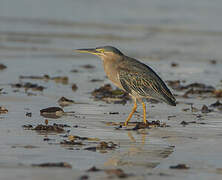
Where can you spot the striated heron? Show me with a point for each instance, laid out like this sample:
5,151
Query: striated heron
132,76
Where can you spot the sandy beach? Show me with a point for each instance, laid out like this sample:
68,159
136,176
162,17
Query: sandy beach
83,139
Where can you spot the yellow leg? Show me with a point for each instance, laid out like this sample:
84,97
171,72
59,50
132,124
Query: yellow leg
131,114
144,113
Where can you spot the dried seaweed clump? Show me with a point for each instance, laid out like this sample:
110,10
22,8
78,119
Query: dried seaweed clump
3,110
108,94
57,164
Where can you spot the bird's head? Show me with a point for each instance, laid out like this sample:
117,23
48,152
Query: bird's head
104,52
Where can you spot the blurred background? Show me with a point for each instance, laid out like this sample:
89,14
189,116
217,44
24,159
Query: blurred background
155,29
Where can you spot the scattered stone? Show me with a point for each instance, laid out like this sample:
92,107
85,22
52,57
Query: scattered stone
65,102
52,112
74,87
2,66
3,110
27,86
107,94
180,166
59,164
205,109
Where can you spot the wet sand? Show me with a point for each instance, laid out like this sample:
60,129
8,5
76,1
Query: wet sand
40,46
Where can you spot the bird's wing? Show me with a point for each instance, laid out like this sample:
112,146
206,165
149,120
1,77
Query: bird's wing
145,82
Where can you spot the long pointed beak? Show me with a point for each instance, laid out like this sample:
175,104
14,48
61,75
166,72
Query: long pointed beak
91,51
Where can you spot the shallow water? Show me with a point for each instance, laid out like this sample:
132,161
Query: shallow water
37,38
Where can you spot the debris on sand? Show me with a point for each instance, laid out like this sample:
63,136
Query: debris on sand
57,164
197,91
213,61
57,79
27,127
184,123
106,145
180,166
178,86
77,140
52,112
174,84
103,147
205,109
74,87
44,77
58,128
71,142
96,80
74,71
63,101
28,114
49,128
194,88
24,146
28,85
117,173
113,112
173,64
107,94
2,66
84,177
61,79
3,110
88,66
218,93
93,169
71,137
142,125
111,172
217,104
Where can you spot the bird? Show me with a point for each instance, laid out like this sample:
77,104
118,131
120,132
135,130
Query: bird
133,77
